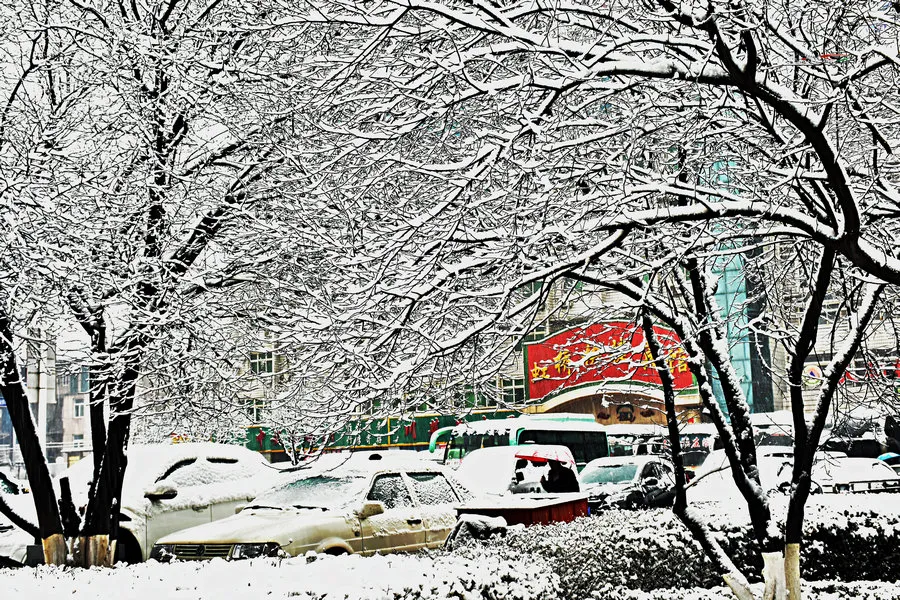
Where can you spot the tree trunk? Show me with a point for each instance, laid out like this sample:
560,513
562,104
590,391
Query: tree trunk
101,521
97,551
713,550
792,571
49,523
774,576
55,549
739,587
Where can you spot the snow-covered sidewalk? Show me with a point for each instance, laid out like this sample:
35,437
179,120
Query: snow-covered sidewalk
426,576
436,576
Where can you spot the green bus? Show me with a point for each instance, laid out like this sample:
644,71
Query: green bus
579,432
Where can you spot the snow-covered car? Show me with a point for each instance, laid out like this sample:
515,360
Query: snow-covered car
508,469
13,541
714,482
643,481
853,474
13,546
371,503
169,487
693,460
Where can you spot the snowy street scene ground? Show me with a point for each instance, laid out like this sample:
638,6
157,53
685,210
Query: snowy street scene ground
463,299
432,577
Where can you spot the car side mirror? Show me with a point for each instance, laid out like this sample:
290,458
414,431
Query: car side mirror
651,482
370,509
160,491
239,508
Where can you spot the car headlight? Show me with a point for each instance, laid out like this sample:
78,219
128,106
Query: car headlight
255,550
163,552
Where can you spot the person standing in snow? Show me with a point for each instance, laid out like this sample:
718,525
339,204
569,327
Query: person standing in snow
559,479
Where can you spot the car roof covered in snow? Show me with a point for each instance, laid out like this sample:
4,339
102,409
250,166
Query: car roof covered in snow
847,469
366,462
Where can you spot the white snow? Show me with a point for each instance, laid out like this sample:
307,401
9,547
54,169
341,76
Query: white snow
430,576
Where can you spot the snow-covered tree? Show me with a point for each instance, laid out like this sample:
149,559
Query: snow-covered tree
142,146
486,148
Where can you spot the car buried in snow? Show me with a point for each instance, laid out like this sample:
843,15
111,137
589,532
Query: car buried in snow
13,541
855,475
371,503
169,487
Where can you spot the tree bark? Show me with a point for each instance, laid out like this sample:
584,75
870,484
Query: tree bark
773,576
729,572
792,571
49,523
97,551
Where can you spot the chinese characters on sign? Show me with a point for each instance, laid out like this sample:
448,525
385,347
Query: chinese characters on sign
609,351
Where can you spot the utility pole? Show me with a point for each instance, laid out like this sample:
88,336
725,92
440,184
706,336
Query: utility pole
40,380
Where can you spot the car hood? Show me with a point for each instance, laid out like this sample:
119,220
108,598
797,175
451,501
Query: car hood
14,543
607,489
260,525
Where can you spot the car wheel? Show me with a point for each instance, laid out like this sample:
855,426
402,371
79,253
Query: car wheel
127,548
337,551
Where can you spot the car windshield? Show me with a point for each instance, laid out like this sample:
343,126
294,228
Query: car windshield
321,491
608,474
693,459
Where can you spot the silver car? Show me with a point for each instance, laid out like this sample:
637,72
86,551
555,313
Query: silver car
365,506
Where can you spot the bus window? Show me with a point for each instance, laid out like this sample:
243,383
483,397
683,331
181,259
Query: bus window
460,445
585,445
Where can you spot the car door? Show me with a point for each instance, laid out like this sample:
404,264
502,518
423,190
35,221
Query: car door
186,509
400,528
437,500
240,490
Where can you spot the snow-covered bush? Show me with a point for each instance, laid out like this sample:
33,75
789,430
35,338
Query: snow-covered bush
812,591
846,538
633,549
428,576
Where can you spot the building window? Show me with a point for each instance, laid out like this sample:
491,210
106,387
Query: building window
79,406
80,382
78,440
512,391
84,381
262,363
256,410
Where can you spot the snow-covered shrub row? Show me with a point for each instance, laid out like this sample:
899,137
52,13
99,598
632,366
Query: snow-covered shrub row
869,590
424,576
848,538
634,549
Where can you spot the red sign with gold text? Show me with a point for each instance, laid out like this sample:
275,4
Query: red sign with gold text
610,351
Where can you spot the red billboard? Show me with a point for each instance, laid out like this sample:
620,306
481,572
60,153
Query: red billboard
610,351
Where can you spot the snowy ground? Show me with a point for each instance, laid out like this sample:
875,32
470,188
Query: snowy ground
325,578
399,577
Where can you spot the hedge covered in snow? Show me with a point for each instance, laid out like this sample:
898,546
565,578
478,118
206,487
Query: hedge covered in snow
862,590
848,538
